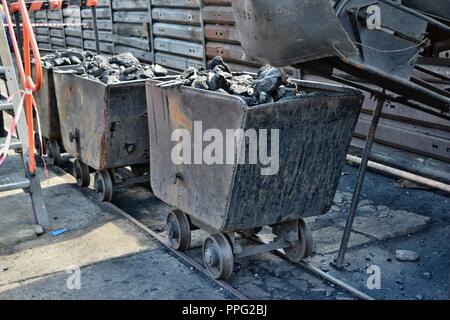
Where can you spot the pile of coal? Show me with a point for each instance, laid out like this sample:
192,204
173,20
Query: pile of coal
120,68
270,85
68,57
123,67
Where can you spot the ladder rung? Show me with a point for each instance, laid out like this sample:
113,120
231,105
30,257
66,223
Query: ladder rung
15,143
13,182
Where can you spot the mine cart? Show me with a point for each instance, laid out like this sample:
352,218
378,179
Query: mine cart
105,128
233,201
49,118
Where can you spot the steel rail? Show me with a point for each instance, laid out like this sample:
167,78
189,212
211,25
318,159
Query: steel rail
183,256
341,284
309,267
179,254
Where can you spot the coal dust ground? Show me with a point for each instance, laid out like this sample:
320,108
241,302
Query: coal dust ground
119,261
406,219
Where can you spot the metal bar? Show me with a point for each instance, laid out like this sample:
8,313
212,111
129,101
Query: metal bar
339,261
355,292
94,22
132,181
402,174
418,14
202,23
81,27
431,73
263,248
19,35
386,96
52,5
38,203
341,284
63,28
111,19
48,30
2,126
150,31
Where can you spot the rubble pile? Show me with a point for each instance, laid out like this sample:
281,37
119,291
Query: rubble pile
270,85
120,68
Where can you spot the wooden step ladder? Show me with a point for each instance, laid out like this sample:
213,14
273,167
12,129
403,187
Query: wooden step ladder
28,180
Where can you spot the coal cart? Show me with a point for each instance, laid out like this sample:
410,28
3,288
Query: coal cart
49,117
104,127
232,199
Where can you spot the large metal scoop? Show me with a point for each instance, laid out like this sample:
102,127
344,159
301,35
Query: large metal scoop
291,31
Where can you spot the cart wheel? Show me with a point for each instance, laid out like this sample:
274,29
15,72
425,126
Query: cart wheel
218,256
140,169
53,153
179,230
248,233
103,186
303,247
81,173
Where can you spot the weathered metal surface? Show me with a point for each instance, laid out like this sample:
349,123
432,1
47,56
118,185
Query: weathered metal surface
48,108
233,197
103,126
292,31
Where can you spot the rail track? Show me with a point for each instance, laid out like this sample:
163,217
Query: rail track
199,267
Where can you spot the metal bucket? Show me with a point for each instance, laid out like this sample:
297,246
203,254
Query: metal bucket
104,126
289,32
314,137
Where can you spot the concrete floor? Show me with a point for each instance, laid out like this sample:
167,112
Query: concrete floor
117,260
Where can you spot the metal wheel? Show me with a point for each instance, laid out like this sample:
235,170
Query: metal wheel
103,185
53,153
179,230
218,256
81,173
303,247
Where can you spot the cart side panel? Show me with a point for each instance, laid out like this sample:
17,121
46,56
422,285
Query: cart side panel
46,103
82,111
126,129
200,190
315,135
